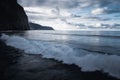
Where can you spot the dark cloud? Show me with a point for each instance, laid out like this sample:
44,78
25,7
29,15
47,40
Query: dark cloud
112,11
50,3
117,15
70,3
116,25
84,7
113,26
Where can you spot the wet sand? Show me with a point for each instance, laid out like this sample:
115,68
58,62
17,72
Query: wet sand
16,65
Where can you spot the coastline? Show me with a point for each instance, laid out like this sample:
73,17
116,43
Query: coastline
15,65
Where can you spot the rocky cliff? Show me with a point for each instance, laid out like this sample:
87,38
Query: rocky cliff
12,16
34,26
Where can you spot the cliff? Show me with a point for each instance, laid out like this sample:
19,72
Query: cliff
35,26
12,16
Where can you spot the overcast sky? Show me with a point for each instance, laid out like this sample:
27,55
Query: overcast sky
73,14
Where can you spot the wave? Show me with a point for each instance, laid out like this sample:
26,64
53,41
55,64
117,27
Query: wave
88,35
87,61
108,34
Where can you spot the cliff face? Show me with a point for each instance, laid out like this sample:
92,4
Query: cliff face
12,16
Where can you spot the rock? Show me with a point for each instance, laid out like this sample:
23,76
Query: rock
35,26
12,16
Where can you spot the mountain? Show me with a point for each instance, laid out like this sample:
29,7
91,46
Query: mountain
35,26
12,16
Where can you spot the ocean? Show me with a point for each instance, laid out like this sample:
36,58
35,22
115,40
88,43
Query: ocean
89,50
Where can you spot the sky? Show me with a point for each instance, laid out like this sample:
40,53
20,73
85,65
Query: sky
74,14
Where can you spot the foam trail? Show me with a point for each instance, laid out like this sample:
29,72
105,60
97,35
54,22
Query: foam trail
61,52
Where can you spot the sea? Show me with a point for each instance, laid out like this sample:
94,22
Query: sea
89,50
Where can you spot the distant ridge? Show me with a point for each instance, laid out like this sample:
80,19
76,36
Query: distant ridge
34,26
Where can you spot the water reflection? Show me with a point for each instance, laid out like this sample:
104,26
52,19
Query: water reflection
99,41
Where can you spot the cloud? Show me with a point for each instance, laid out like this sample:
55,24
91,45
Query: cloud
74,13
98,11
117,15
104,26
69,3
104,10
54,17
95,18
50,3
98,6
112,26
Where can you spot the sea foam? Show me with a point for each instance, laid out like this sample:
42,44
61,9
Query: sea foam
88,62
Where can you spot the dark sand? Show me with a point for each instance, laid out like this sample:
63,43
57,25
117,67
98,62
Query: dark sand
15,65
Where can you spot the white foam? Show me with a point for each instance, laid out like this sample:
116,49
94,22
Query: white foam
88,62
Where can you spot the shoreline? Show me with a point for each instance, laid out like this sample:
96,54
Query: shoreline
15,65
